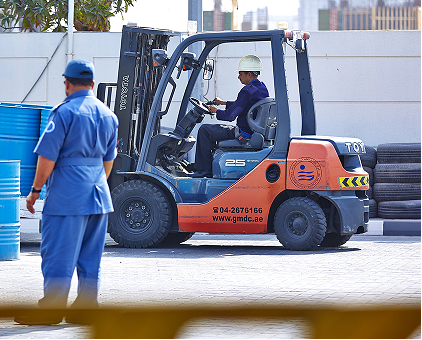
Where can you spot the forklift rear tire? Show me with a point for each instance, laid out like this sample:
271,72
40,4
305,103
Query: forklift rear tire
300,224
142,215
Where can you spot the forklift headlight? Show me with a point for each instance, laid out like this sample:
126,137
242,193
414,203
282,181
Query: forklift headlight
159,57
189,62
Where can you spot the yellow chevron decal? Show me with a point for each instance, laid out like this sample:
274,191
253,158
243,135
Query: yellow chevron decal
351,182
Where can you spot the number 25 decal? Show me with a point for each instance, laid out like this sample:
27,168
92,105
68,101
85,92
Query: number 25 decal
235,162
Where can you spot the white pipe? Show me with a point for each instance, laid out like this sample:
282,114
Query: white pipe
70,15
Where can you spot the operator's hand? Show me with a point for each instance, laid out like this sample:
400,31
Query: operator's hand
219,101
212,108
30,201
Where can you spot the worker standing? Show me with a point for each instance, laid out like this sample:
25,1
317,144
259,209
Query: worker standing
76,154
249,69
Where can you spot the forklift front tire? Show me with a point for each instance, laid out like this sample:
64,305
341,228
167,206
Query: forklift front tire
300,224
142,215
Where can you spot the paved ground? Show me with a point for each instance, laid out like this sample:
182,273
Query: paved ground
231,269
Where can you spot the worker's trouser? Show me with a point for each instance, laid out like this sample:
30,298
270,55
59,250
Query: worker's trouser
208,136
69,242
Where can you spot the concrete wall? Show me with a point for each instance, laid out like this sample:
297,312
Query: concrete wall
367,84
369,87
23,57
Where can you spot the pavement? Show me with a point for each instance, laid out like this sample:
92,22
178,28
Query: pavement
229,270
218,270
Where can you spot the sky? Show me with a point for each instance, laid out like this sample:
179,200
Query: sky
173,15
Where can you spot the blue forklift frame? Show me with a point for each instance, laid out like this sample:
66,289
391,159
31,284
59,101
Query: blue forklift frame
276,37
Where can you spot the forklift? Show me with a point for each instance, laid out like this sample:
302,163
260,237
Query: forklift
309,190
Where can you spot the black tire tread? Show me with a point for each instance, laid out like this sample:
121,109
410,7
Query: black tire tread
396,191
400,209
369,158
320,225
398,173
373,208
165,215
399,153
370,192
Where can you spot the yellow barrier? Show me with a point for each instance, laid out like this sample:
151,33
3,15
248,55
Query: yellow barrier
165,322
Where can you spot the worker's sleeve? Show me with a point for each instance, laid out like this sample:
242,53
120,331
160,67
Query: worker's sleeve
233,109
52,139
229,103
112,144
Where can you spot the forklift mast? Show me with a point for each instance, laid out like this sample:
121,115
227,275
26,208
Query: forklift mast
136,86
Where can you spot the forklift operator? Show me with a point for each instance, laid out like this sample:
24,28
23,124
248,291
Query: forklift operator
208,134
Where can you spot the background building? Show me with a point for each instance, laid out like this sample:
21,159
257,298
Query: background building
247,23
406,16
308,13
258,20
262,14
217,20
344,14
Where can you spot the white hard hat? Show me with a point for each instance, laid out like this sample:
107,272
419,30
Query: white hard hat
250,63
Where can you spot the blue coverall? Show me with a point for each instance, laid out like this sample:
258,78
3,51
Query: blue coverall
81,133
209,134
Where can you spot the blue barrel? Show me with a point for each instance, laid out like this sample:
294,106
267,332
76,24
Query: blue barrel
45,113
19,133
32,106
9,210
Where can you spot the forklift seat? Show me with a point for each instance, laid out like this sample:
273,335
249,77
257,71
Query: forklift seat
261,118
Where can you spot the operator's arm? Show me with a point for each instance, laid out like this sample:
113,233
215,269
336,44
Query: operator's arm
233,109
108,165
219,101
44,169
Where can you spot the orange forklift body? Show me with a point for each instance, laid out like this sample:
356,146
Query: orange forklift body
244,207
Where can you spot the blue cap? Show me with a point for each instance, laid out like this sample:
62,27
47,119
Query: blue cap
79,69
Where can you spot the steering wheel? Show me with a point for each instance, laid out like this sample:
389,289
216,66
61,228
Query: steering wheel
202,108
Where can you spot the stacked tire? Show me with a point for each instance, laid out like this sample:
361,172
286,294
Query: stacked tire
369,161
397,181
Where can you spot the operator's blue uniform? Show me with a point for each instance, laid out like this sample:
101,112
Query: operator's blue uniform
209,134
81,133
